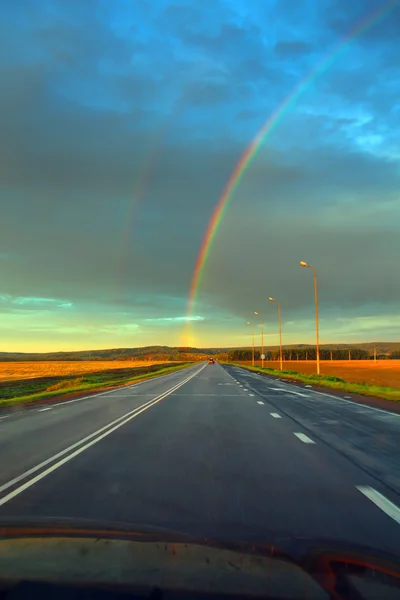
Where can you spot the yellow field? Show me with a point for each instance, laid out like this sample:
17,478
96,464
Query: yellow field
385,373
11,371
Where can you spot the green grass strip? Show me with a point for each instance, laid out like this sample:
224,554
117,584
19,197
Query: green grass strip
330,381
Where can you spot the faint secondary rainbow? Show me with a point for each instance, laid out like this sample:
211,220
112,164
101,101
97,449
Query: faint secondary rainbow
270,123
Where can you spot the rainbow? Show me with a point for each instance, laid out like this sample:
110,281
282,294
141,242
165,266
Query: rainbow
147,167
272,121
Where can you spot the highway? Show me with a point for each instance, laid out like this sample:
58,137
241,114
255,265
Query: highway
210,451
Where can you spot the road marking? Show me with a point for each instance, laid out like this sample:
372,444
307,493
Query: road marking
275,415
353,403
381,501
251,394
106,429
304,438
259,402
117,389
245,390
290,392
43,409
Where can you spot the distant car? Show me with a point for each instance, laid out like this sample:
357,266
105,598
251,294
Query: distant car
211,361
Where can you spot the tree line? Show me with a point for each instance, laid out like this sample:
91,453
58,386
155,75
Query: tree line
301,354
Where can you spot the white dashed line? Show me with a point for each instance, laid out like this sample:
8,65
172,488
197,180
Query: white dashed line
245,390
251,395
275,415
304,438
381,502
43,409
259,402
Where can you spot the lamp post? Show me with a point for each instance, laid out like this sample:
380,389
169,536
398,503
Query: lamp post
280,332
262,337
252,351
304,264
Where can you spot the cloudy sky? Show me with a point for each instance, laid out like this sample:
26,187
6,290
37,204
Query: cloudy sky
121,122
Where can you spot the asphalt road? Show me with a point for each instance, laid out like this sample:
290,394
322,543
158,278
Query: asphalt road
209,451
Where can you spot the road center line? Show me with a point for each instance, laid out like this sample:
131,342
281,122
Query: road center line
380,501
116,389
106,429
304,438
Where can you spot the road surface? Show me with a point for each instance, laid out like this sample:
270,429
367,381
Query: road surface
208,451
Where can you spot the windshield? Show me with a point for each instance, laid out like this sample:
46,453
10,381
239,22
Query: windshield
198,253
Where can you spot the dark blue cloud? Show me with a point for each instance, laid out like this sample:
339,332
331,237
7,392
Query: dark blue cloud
122,121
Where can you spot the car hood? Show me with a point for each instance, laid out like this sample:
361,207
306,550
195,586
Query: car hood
89,553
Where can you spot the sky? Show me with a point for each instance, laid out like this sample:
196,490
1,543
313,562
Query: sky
121,122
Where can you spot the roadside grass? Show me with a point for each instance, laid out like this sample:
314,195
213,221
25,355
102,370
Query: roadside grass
330,381
25,392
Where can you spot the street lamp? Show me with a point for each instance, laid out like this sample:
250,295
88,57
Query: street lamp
262,337
252,352
304,264
280,331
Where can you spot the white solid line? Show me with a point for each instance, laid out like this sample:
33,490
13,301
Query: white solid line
304,438
275,415
386,412
381,501
259,402
43,409
130,415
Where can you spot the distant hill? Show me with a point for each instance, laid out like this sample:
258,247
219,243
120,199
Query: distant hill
175,353
142,353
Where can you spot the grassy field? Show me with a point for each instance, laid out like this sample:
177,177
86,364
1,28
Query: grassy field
381,380
29,382
384,373
10,371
